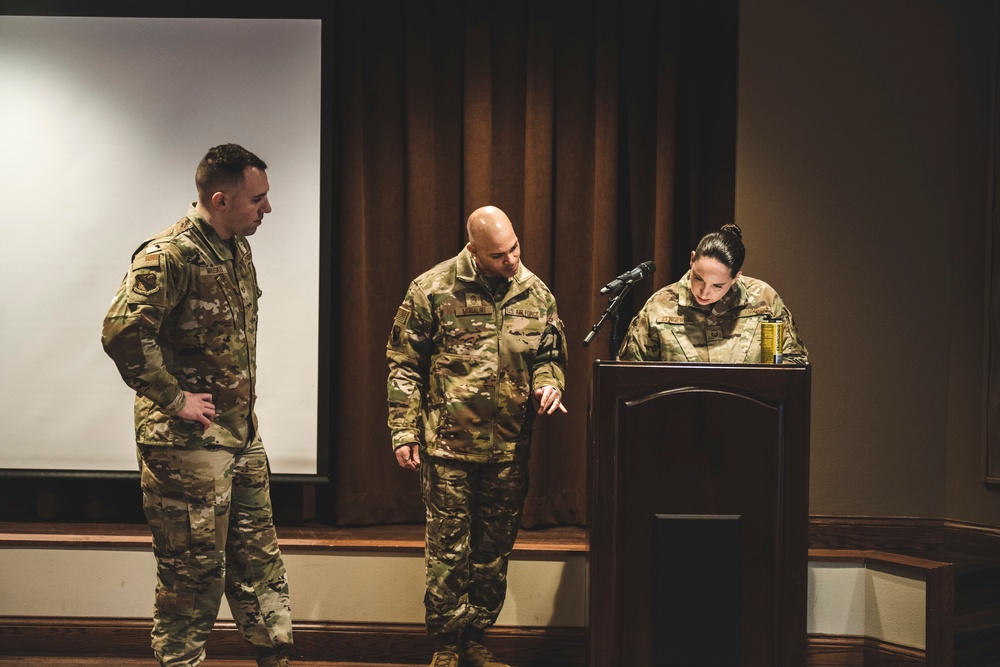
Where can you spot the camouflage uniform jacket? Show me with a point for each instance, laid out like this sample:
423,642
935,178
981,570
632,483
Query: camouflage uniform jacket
185,318
462,364
673,327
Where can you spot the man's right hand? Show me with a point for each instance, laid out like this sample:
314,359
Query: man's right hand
408,456
198,408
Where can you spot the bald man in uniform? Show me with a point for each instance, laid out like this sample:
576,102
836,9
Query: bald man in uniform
476,351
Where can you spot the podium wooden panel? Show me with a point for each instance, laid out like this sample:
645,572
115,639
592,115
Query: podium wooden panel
724,446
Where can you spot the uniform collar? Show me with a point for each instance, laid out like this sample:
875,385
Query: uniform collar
222,250
467,271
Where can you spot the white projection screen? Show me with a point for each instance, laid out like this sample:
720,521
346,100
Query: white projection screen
102,124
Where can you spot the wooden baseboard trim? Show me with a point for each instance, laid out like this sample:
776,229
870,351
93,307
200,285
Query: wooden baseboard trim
904,534
872,558
335,642
846,651
382,643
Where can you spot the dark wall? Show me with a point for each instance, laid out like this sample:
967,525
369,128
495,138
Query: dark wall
862,189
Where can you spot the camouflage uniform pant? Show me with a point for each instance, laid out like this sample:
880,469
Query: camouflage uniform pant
209,510
473,514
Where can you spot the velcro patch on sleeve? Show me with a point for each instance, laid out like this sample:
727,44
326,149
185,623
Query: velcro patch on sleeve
147,279
399,323
148,260
146,283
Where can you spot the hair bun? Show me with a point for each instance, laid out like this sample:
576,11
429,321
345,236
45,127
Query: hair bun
733,229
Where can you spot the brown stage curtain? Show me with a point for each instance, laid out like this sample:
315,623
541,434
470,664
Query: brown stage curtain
606,132
993,337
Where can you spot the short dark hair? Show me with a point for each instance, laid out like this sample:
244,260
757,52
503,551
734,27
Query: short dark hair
223,165
725,245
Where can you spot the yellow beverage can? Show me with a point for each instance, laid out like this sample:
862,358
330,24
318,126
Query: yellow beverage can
771,335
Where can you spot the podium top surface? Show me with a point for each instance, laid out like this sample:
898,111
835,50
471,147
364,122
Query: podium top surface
689,365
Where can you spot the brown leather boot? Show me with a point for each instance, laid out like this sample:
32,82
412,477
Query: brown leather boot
475,654
445,658
447,654
272,657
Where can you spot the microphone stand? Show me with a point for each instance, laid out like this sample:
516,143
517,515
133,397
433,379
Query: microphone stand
613,303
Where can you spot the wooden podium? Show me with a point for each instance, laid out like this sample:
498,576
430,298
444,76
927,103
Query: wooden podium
698,485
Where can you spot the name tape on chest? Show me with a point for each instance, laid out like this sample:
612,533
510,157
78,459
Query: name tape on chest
751,311
476,304
473,310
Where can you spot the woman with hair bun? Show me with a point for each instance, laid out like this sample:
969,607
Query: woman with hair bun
713,313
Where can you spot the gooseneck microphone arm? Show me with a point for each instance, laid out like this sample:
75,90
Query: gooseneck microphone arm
612,311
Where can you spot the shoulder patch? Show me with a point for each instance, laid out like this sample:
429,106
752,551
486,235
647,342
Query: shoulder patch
399,324
150,258
146,283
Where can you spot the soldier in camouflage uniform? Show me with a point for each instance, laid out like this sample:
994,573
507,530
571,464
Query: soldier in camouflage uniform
712,314
475,341
182,330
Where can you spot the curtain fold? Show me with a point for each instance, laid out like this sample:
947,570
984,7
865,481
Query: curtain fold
606,132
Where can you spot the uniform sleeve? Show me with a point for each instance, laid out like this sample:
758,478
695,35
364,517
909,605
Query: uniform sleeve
154,284
792,348
549,367
408,355
641,342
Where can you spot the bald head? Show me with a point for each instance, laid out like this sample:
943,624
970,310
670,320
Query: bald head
493,243
486,223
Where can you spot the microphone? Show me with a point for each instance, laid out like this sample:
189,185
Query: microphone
629,277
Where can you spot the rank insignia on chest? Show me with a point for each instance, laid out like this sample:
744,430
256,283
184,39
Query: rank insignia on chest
714,333
146,283
473,300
